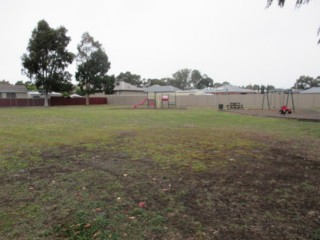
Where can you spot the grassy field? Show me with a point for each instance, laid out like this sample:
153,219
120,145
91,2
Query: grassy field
113,173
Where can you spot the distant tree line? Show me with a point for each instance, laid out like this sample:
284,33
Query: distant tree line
183,79
260,88
306,82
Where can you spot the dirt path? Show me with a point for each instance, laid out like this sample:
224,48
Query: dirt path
305,115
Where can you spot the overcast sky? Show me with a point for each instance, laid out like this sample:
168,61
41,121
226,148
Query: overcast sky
236,41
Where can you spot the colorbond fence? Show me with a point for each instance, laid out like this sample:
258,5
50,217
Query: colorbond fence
53,101
249,101
252,101
61,101
21,102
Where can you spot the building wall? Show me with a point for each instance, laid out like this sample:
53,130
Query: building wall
6,102
129,93
122,93
17,95
22,95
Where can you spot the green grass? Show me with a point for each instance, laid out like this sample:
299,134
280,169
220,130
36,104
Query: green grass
80,172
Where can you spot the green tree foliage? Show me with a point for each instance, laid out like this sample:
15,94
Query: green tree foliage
200,81
154,81
47,59
20,82
306,82
166,81
181,79
270,88
92,67
130,78
256,87
204,82
184,79
108,84
187,78
31,86
196,77
217,84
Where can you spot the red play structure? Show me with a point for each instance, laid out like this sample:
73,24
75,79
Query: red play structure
167,100
149,103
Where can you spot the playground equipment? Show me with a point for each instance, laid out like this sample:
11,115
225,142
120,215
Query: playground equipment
168,99
284,94
158,100
284,110
141,103
150,103
152,100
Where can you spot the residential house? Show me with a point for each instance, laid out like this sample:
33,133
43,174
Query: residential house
123,88
311,90
9,91
162,89
229,89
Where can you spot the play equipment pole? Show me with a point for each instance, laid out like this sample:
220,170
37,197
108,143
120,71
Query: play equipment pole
264,94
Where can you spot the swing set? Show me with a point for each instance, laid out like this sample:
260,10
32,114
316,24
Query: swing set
284,109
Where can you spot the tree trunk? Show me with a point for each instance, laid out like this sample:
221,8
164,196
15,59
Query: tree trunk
46,100
87,99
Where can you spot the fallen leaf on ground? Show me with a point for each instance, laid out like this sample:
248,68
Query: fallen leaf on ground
142,204
87,225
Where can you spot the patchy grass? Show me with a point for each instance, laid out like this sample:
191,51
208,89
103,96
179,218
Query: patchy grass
81,172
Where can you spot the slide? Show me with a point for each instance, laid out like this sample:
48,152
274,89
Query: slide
141,103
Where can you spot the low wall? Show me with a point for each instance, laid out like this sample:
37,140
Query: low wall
249,101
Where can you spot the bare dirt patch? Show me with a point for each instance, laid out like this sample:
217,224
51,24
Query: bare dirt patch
303,115
81,192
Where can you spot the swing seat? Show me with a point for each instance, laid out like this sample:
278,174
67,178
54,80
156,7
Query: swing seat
285,110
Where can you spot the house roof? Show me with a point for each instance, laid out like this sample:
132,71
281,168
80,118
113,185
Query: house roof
229,89
123,86
312,90
158,88
192,92
8,88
